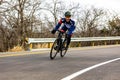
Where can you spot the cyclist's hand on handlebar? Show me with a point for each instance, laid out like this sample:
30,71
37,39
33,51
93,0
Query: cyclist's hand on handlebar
62,31
53,31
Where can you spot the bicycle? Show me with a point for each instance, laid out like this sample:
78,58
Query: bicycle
59,45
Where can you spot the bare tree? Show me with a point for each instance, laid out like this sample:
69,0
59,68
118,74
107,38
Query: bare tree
57,8
19,17
90,21
114,26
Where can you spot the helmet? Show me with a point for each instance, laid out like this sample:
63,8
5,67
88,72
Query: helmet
67,14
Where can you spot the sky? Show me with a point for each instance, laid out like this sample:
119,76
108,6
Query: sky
113,5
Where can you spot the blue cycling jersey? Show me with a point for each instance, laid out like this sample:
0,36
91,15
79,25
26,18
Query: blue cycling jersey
70,26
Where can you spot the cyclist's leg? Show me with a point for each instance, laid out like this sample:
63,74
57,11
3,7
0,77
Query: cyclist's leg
68,37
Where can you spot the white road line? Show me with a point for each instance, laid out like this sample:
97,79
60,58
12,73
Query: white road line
88,69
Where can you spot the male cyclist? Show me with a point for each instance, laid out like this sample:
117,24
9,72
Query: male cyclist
68,25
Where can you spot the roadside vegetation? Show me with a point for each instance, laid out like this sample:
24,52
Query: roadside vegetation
21,19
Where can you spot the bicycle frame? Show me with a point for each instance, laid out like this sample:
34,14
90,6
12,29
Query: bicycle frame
58,46
59,41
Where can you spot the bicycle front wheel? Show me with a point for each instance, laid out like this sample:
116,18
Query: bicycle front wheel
64,51
53,51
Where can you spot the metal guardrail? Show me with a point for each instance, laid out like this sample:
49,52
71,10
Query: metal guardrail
82,39
47,40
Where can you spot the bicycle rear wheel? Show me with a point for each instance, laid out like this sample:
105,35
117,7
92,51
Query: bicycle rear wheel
53,51
64,51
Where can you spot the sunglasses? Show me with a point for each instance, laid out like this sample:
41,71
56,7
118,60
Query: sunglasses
68,16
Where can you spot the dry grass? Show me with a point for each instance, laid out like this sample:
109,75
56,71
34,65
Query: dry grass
16,49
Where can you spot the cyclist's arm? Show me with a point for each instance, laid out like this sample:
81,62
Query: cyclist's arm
58,25
72,29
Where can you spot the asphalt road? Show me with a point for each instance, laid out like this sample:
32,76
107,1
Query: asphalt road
40,67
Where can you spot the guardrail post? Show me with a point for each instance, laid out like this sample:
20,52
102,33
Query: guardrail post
50,45
93,44
117,42
105,43
79,44
30,46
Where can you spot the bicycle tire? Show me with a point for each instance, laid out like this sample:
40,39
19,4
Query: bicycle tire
53,55
63,52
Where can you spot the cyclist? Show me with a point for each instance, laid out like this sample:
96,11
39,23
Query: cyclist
68,25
